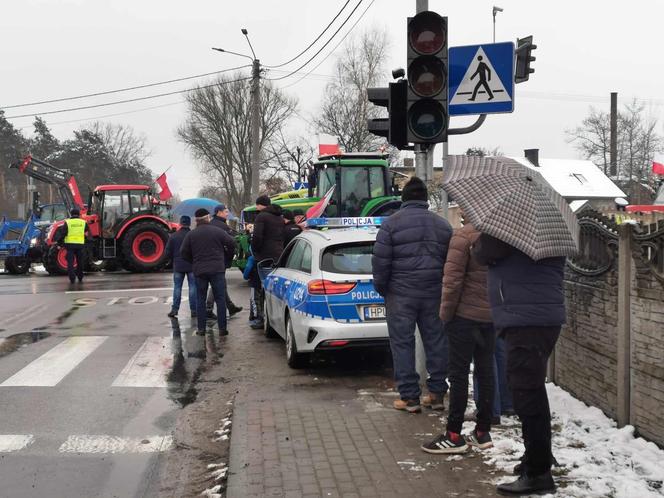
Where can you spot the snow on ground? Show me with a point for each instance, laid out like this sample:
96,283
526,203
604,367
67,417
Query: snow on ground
596,459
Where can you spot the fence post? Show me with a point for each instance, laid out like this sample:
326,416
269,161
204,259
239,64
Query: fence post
624,323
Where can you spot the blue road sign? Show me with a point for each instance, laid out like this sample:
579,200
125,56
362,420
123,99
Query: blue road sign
481,79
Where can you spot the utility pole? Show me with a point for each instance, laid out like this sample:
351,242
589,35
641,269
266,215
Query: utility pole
255,128
613,147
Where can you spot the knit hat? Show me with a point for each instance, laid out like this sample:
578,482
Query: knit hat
263,200
414,190
201,213
219,207
185,221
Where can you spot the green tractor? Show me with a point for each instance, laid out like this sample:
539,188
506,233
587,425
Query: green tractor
364,186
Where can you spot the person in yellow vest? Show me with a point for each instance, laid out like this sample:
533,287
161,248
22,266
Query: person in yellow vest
72,235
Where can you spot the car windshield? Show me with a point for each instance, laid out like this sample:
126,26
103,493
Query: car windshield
348,258
660,195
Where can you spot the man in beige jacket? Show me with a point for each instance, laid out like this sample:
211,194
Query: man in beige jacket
466,313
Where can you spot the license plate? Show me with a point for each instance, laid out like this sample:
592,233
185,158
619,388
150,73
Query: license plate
374,312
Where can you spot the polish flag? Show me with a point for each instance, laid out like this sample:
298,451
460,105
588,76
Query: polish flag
328,145
165,192
658,165
318,209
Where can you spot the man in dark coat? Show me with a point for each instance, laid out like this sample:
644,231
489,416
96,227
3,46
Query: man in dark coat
220,220
205,247
408,259
291,229
528,309
181,269
267,242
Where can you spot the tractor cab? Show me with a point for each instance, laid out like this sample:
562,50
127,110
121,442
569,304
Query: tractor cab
111,206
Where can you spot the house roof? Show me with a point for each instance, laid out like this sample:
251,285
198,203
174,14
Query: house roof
575,179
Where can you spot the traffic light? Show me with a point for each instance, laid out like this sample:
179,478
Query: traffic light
426,110
524,48
394,126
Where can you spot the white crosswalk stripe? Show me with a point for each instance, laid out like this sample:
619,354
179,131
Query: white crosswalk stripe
54,365
14,442
115,444
149,366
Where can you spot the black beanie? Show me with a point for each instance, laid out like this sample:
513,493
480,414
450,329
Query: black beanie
200,213
414,190
263,200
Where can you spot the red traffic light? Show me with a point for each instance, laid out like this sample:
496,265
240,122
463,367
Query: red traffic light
427,33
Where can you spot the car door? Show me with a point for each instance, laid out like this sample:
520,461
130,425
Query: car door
277,285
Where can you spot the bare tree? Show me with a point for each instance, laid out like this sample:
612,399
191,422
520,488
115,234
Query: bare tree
288,157
123,143
345,108
637,141
217,132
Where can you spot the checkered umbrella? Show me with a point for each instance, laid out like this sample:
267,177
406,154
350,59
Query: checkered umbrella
512,202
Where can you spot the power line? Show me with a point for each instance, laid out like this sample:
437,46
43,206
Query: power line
148,85
125,101
332,51
313,42
321,49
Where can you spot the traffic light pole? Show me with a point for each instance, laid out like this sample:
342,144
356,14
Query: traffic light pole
423,156
255,128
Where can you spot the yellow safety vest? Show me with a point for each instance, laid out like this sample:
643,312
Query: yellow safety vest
75,231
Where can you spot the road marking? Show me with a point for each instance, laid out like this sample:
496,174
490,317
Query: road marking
19,317
119,290
14,442
149,365
115,444
54,365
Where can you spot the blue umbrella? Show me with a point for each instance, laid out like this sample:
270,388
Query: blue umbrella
189,206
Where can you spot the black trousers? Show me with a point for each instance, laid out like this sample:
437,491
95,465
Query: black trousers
528,351
470,341
75,251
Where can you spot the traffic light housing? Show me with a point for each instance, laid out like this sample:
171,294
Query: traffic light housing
427,117
524,48
393,128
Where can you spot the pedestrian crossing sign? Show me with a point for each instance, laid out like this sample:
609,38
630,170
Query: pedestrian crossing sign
481,79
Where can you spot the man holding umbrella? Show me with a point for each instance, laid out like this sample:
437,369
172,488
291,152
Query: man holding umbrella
527,231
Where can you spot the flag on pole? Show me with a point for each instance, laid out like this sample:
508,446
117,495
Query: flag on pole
328,145
658,165
318,209
165,192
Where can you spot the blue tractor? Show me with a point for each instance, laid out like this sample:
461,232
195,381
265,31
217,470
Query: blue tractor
23,242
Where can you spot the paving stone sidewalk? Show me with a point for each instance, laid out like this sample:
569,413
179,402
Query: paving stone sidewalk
329,431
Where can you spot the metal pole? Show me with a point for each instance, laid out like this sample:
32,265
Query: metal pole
614,135
494,25
255,129
443,195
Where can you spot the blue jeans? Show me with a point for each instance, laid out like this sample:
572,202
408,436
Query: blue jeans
178,280
218,283
403,313
502,398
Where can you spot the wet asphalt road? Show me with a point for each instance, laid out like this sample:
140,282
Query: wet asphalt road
91,381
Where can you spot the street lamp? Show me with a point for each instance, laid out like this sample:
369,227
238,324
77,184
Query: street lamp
495,11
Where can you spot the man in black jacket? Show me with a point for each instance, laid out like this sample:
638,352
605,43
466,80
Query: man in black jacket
220,220
181,269
291,229
408,259
528,308
205,247
267,242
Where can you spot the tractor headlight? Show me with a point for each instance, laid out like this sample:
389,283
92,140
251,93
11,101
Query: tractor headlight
33,241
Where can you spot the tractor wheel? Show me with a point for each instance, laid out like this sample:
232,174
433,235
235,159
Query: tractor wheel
144,247
55,260
17,265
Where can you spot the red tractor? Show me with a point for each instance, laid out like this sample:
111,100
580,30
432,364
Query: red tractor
126,222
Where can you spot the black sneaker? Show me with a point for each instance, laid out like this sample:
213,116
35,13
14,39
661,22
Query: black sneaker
527,485
445,445
172,314
200,332
257,324
211,315
223,332
234,310
481,442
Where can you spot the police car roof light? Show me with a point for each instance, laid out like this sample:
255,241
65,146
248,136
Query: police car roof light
367,221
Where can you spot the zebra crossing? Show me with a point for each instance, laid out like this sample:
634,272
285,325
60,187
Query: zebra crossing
147,367
81,444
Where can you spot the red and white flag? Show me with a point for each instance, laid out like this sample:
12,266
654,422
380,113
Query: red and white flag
658,165
328,145
318,209
165,192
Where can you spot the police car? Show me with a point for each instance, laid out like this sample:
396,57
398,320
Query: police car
320,295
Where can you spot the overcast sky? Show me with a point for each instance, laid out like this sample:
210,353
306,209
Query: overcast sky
64,48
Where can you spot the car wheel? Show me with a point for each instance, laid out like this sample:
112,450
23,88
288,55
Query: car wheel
293,358
268,330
